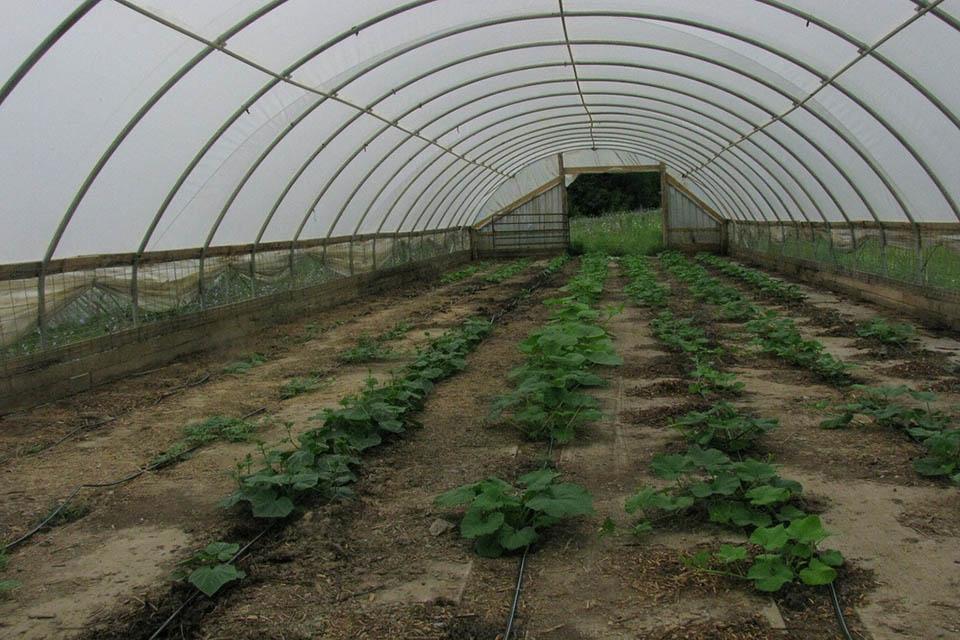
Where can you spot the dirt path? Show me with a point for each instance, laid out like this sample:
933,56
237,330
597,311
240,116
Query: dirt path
127,542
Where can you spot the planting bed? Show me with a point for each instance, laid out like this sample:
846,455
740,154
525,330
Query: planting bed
659,339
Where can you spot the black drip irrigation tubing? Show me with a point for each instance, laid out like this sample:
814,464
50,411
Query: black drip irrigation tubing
838,610
521,567
106,421
193,596
102,485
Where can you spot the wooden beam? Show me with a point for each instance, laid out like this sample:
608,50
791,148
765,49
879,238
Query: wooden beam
710,211
627,168
539,191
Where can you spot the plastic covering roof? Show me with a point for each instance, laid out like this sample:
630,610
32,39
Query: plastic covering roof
140,125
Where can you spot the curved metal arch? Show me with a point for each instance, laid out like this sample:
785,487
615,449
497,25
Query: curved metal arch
676,104
825,81
563,148
599,126
729,91
682,119
524,157
861,152
814,175
662,18
437,177
518,151
501,21
726,179
683,125
624,106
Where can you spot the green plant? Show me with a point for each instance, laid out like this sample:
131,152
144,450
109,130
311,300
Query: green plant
507,271
545,402
370,348
211,568
775,556
898,334
298,386
767,286
242,366
723,427
500,517
779,336
709,382
201,433
643,287
746,496
465,272
367,349
931,428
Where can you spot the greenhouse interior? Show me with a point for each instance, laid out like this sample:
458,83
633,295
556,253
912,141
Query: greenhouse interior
499,320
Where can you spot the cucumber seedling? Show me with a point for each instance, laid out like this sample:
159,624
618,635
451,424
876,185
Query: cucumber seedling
211,568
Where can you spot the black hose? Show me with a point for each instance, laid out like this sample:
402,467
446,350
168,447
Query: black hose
102,485
838,611
197,592
516,594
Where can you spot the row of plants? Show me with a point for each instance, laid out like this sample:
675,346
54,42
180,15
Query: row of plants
548,403
778,335
775,334
888,407
507,271
715,481
322,463
464,273
759,280
900,334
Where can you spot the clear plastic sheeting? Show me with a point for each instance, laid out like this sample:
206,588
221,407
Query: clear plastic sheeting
135,126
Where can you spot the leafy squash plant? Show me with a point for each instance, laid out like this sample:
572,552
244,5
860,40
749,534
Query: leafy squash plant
211,568
899,334
723,427
930,427
745,495
500,517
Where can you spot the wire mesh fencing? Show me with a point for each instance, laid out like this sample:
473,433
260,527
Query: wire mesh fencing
85,298
922,255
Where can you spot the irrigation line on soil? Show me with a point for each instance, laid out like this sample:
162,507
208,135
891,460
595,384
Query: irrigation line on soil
102,485
106,421
838,610
197,592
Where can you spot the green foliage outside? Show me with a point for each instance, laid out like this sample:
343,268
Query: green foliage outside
600,193
618,234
